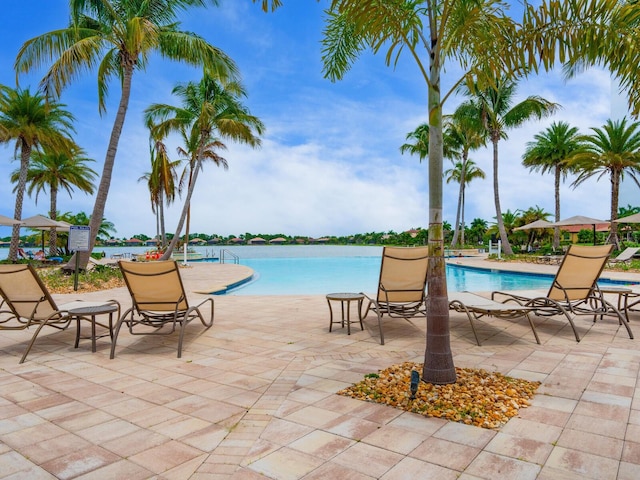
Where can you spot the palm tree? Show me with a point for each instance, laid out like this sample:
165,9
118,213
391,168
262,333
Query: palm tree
464,136
459,137
613,150
210,108
477,35
120,37
529,216
492,107
478,228
463,172
549,153
162,182
189,154
509,220
57,171
482,39
32,122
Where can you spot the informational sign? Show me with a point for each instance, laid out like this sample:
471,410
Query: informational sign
79,238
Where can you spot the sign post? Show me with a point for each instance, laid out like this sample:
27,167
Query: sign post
79,241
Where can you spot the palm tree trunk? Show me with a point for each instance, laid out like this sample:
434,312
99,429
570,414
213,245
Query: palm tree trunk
462,242
163,235
506,247
183,215
107,170
556,230
454,241
438,360
53,234
25,155
615,193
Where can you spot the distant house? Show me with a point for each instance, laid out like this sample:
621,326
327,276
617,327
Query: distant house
112,242
151,243
214,241
318,240
134,242
197,241
278,241
573,230
257,241
236,240
413,233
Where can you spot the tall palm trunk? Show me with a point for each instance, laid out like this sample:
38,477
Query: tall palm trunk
438,360
462,240
25,154
158,245
456,233
506,247
107,171
615,194
53,235
163,233
183,215
556,230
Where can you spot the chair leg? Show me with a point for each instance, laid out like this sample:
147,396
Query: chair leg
116,331
33,340
380,326
533,328
473,327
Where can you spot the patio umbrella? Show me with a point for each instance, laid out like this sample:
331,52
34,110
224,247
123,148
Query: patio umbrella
536,224
8,221
40,222
635,218
579,220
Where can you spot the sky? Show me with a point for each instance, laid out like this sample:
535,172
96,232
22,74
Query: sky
330,161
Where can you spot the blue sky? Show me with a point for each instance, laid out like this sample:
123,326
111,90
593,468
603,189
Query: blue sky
330,162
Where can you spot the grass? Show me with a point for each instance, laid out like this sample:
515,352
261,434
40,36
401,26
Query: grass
98,278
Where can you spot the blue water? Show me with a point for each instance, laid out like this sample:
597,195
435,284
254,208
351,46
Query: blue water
321,269
297,276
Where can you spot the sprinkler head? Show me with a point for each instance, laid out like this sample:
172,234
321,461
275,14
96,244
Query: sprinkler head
415,380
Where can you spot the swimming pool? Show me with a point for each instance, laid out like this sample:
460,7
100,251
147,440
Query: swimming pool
301,276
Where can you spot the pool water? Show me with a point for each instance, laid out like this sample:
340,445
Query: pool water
300,276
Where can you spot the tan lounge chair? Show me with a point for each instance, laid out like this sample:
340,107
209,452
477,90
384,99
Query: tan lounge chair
160,304
625,256
29,303
477,307
401,288
574,290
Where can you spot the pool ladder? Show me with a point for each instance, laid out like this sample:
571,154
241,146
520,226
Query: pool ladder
224,253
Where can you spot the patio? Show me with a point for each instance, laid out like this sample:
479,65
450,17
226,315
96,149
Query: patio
254,397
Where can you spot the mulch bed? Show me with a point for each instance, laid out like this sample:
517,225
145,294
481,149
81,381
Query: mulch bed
480,398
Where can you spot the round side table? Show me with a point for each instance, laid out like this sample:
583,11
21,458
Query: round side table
89,312
345,300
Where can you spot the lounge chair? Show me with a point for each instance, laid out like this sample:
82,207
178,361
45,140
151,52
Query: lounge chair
27,303
624,257
574,290
401,288
159,301
477,307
